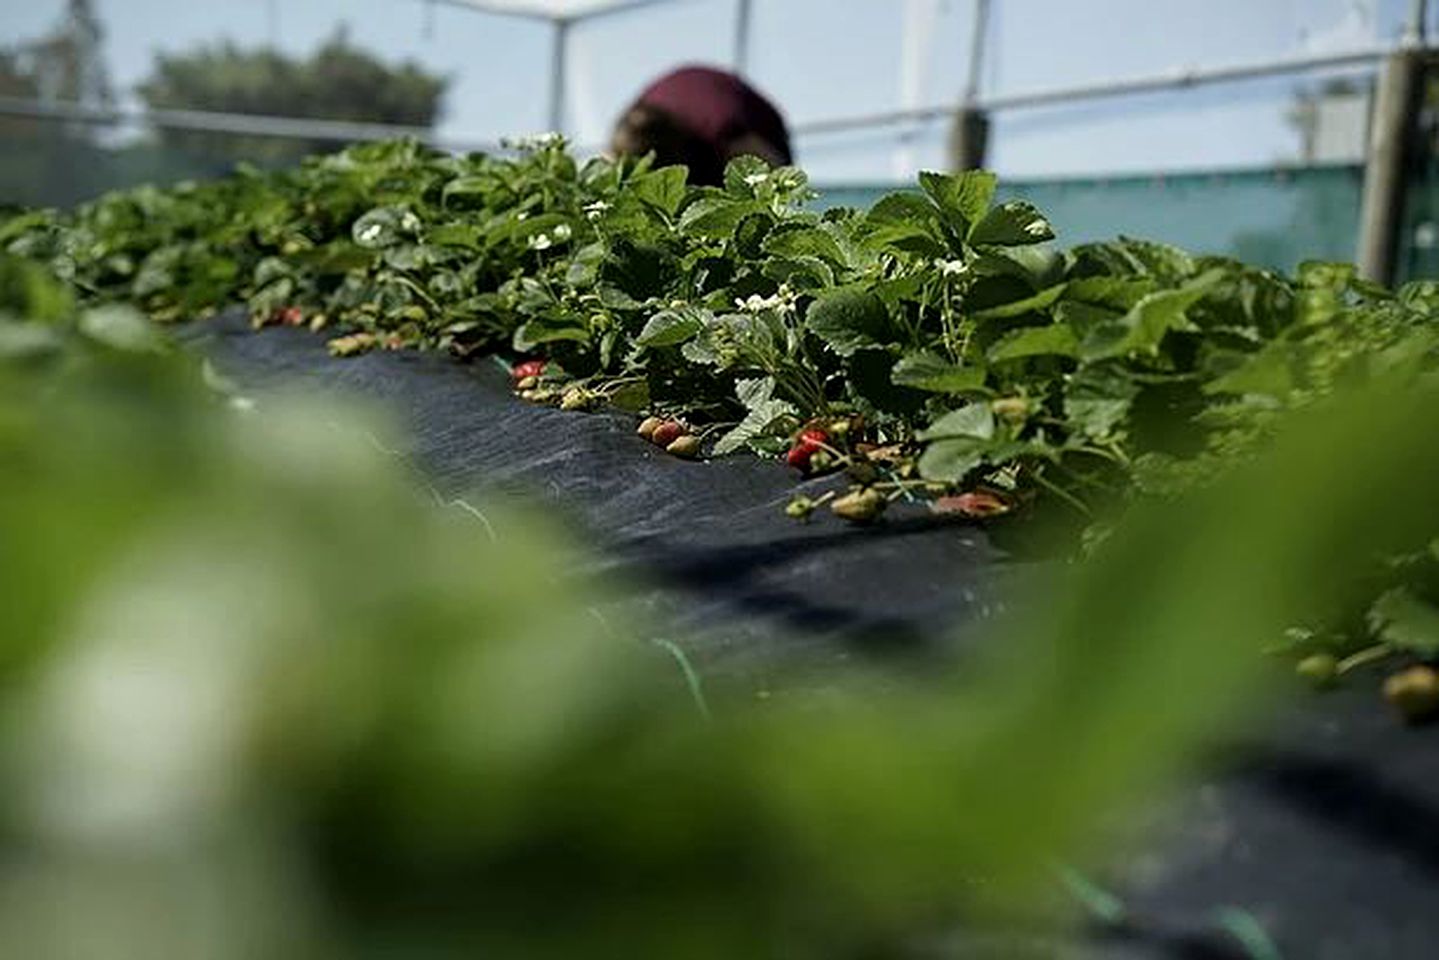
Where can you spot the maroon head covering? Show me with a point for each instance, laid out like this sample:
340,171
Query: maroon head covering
719,108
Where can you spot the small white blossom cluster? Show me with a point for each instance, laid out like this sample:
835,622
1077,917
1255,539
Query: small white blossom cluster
543,241
593,211
538,141
951,268
783,299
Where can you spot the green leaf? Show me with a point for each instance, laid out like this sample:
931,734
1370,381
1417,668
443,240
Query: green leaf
477,189
750,232
899,208
962,198
1143,327
806,274
740,170
974,421
761,419
664,189
849,319
1012,224
548,330
805,242
123,328
949,461
1018,308
1054,340
669,327
753,391
632,397
1098,399
1406,622
382,227
1270,372
926,371
715,218
455,235
28,341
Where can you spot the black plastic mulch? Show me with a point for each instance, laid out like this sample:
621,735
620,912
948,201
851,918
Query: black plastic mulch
1326,833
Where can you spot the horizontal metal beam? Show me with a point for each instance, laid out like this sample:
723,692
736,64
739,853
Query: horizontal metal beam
240,124
343,130
505,10
1180,79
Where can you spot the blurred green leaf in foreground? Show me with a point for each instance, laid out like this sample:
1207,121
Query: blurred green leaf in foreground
259,697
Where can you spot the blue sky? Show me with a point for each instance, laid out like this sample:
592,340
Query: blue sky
820,59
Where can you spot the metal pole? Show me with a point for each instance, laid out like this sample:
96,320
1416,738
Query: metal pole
1417,29
743,9
558,63
1387,166
969,137
977,43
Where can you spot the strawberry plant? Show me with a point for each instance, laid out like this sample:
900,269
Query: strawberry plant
936,347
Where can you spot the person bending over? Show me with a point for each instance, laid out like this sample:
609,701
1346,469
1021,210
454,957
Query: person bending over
702,118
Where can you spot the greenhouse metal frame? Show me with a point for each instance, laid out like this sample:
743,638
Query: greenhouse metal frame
1396,65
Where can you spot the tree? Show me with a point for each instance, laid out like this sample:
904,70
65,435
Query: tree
338,82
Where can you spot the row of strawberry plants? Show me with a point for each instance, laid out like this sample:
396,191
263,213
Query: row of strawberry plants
936,347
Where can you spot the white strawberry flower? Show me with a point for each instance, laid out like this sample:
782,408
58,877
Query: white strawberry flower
541,241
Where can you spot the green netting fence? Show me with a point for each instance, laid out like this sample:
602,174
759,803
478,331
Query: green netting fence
1275,217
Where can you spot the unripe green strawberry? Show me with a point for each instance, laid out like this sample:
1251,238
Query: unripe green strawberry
800,507
1011,409
527,383
1414,693
687,447
861,506
648,426
1320,669
576,398
667,433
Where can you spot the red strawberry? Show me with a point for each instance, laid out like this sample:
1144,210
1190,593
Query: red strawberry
292,316
976,503
527,368
667,433
810,442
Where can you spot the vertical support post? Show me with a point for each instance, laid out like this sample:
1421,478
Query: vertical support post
969,137
1416,31
559,62
1387,165
742,18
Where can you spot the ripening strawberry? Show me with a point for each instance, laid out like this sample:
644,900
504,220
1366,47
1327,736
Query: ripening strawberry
667,433
648,426
527,368
976,503
810,442
686,447
859,506
1320,669
1414,693
292,316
